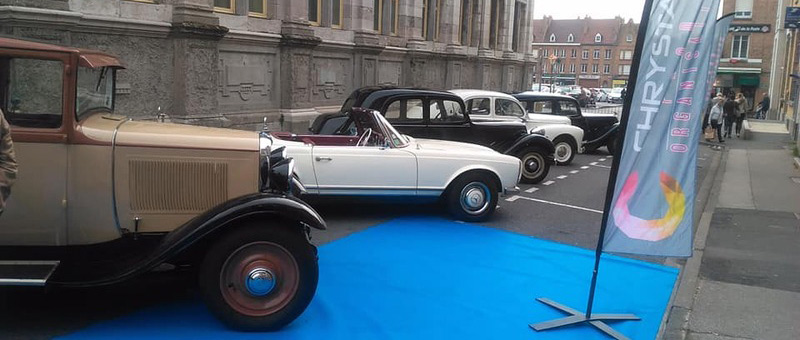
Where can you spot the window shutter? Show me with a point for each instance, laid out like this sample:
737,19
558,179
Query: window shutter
744,6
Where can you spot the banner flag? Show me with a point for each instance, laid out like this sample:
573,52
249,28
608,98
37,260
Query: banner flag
720,33
653,196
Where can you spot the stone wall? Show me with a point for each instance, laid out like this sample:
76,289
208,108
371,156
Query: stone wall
233,70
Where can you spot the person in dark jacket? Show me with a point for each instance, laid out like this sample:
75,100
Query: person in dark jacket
729,115
8,162
764,105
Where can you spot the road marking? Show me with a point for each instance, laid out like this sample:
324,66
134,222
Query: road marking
515,197
602,159
593,163
602,166
533,189
585,167
574,171
548,183
562,177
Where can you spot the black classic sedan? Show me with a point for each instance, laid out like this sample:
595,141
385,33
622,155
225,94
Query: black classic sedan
443,115
599,129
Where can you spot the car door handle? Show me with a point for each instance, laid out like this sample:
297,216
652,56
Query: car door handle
320,159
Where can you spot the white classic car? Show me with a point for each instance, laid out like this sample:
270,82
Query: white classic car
497,106
368,157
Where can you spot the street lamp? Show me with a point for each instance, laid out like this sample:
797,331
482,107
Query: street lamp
553,61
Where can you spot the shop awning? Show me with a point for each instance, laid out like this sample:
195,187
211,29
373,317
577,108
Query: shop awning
749,70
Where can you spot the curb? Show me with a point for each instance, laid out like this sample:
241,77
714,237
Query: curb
675,321
797,163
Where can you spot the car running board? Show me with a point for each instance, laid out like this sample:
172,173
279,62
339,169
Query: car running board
26,273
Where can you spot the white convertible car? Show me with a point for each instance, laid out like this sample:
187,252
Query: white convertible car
497,106
368,157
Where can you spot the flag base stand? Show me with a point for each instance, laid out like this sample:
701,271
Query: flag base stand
577,317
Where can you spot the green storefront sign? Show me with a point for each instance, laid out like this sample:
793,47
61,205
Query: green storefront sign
747,80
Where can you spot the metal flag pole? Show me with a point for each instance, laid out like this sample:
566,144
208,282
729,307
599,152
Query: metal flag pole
598,320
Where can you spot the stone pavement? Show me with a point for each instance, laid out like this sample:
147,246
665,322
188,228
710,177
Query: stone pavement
748,282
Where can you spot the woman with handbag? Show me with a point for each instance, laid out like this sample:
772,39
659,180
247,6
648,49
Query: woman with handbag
714,120
741,108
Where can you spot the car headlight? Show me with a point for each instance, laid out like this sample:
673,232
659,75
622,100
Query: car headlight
538,131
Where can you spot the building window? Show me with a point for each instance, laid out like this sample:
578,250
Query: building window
544,54
744,9
496,16
563,53
574,53
596,54
595,68
624,70
585,54
608,54
337,13
625,55
552,38
740,46
466,22
571,68
225,6
315,12
386,10
606,68
561,68
629,38
430,13
571,38
598,38
257,8
583,68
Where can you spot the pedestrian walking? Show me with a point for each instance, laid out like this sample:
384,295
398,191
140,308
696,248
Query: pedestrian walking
8,162
728,114
763,107
714,119
741,109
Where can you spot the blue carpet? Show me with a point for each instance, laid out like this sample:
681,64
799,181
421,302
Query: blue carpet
427,278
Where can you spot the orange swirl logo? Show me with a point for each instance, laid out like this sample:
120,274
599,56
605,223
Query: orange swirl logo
650,230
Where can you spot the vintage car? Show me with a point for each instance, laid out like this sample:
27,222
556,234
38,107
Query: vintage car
366,156
442,115
101,198
599,129
490,106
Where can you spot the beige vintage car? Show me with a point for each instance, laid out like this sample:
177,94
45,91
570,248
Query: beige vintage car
101,198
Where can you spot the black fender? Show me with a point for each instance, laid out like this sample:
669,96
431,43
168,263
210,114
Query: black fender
602,140
533,140
200,229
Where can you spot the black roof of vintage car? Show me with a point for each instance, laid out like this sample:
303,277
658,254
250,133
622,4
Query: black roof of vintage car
369,95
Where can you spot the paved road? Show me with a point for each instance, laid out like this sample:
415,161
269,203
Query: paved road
565,208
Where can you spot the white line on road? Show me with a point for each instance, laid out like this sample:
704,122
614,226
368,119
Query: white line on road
548,182
602,166
574,171
585,167
533,189
602,159
593,163
562,177
516,197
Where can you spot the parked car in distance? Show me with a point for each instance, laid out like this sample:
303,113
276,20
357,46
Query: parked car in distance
442,115
101,198
366,156
490,106
599,129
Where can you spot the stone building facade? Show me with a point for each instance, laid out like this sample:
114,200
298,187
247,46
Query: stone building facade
747,58
233,62
591,52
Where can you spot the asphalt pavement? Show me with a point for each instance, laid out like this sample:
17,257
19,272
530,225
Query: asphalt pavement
565,208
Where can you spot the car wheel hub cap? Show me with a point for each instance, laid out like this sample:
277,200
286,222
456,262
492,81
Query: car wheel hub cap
563,151
531,165
260,281
475,198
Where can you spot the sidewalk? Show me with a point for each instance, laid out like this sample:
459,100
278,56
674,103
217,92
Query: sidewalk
749,277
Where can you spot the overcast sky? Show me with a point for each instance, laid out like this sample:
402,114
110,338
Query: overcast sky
597,9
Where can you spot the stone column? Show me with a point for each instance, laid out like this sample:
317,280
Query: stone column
195,35
297,44
486,21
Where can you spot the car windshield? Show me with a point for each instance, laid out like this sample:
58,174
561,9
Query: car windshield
95,90
397,139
